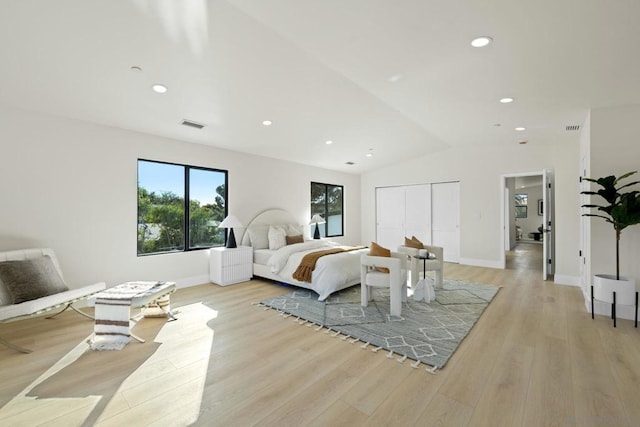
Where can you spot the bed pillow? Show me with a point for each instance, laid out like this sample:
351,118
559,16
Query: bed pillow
277,237
377,250
410,243
294,230
258,234
294,239
31,279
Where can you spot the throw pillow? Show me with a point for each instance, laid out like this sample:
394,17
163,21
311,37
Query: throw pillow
417,242
5,298
31,279
410,243
277,237
294,239
294,230
377,250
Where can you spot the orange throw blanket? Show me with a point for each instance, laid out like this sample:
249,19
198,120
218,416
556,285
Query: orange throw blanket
308,262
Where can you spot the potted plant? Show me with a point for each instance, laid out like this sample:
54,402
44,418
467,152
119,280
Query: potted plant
621,210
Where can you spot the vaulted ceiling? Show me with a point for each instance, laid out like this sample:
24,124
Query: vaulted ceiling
395,79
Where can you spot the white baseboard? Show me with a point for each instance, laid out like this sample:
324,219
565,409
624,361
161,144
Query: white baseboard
192,281
481,263
602,308
560,279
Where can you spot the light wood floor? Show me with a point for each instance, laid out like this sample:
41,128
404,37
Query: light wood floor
525,256
534,358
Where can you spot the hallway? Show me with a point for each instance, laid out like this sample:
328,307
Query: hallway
525,256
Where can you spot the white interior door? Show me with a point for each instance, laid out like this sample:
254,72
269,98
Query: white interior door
445,218
390,207
547,225
418,212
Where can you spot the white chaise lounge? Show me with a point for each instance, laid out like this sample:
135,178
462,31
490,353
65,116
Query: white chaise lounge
10,292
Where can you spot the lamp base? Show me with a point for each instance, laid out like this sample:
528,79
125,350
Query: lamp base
316,234
231,240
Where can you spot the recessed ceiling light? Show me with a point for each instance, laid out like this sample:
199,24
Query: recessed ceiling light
328,142
369,155
506,100
267,122
520,128
395,78
481,41
136,68
159,88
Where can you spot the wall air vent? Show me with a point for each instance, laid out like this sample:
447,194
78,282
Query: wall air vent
192,124
572,128
349,163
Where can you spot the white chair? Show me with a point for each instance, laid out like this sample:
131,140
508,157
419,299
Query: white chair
395,279
418,265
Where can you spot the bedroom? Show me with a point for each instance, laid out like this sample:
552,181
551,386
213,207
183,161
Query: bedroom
70,184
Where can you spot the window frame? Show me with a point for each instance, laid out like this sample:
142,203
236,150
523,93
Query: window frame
325,213
187,204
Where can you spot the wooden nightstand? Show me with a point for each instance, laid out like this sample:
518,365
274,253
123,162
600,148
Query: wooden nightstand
230,265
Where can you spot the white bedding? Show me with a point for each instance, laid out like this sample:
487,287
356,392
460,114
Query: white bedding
333,272
262,256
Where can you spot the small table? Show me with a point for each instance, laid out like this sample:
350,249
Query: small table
424,262
113,311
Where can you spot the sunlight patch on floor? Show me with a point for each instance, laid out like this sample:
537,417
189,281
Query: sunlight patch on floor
178,364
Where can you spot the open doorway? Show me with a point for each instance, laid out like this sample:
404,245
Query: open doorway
525,249
526,222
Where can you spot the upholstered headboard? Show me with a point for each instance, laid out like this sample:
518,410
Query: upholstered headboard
264,219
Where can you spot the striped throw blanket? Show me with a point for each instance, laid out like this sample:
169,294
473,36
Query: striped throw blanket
308,263
112,314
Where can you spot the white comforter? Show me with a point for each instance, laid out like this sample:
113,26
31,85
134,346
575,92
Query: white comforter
331,272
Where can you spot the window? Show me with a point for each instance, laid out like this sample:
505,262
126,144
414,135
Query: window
521,202
179,207
327,201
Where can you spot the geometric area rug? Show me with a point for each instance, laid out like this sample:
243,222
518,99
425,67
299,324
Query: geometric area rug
426,332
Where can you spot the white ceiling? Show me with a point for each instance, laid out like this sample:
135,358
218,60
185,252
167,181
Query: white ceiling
321,70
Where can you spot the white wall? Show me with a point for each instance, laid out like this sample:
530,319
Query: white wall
479,171
72,186
615,149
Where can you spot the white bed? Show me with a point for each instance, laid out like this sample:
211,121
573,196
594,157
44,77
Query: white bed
332,273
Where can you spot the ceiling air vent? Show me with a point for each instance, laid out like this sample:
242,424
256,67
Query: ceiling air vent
349,163
571,128
192,124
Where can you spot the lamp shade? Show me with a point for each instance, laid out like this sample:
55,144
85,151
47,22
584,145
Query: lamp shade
230,222
317,219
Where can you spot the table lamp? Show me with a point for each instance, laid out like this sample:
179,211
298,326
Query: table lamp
317,219
229,222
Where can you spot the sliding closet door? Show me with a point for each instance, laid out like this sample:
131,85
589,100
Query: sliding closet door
418,212
445,210
390,206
